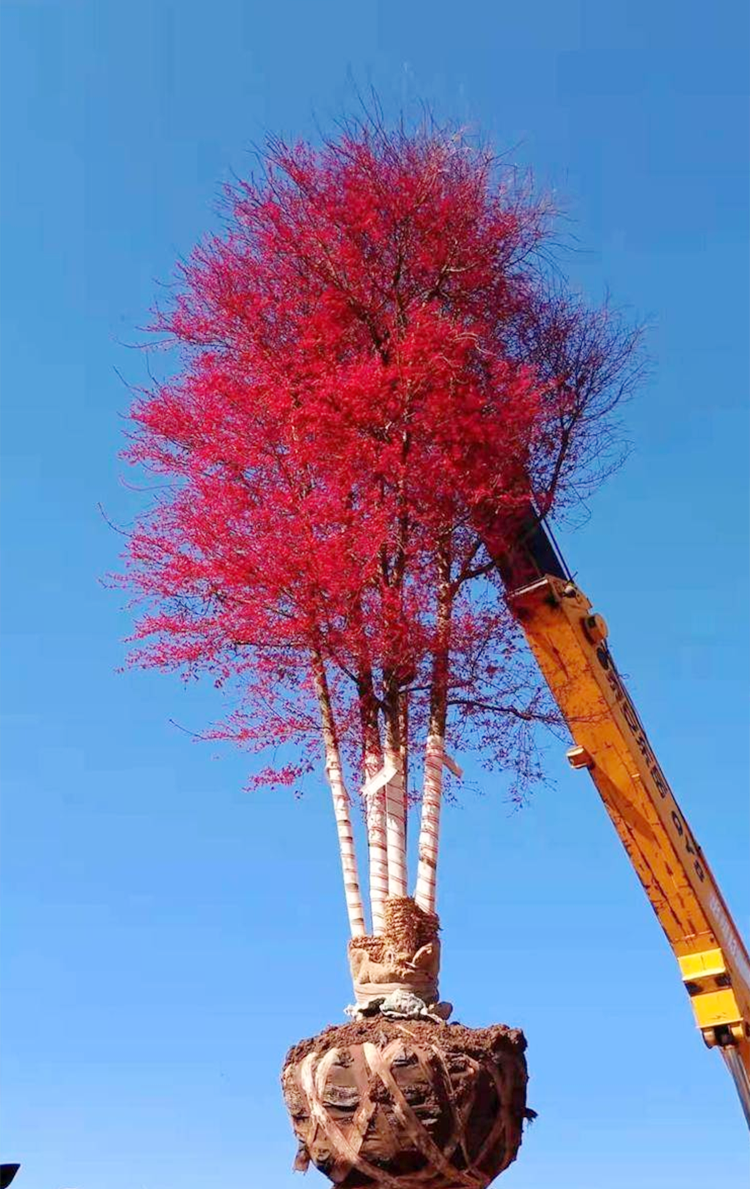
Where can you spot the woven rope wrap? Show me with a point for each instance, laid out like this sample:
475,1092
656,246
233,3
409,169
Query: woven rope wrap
405,957
407,1114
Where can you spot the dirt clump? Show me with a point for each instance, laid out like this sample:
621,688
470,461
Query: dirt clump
452,1037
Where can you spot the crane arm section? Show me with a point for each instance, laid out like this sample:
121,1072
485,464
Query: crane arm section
570,645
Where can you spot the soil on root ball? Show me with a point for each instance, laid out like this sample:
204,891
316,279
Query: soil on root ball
408,1104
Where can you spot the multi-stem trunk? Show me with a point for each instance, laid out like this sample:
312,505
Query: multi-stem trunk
335,775
403,726
375,799
395,802
395,741
432,793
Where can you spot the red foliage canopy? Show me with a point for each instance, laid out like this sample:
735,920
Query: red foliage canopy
371,360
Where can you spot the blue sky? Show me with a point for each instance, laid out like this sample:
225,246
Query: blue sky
166,936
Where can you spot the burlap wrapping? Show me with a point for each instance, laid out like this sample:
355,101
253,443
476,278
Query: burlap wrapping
405,957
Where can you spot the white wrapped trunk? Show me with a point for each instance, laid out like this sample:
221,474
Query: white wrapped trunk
377,840
334,772
354,906
429,832
395,816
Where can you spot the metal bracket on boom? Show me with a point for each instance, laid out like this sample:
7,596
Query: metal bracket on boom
579,758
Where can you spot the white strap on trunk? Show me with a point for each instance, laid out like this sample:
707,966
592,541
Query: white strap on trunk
452,766
379,780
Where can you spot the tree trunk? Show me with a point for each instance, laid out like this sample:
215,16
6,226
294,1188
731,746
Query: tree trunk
374,801
377,838
432,793
395,807
429,830
403,726
334,773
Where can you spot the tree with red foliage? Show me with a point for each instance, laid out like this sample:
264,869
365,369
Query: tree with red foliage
378,374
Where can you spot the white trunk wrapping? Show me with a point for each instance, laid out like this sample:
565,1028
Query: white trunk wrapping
395,817
429,830
376,837
354,906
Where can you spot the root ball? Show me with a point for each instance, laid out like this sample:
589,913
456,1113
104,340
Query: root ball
408,1105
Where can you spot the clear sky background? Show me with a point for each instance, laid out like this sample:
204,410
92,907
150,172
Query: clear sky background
165,935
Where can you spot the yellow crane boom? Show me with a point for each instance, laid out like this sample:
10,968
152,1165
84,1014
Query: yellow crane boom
570,645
